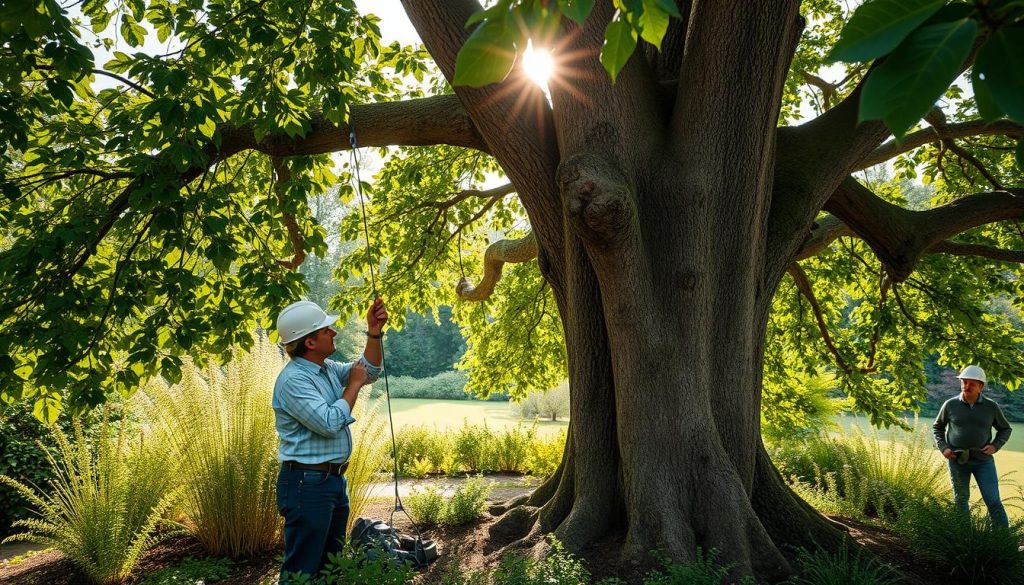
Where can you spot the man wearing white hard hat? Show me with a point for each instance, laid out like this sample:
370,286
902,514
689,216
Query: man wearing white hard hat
313,400
963,432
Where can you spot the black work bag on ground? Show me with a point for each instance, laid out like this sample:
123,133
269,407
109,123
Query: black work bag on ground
377,538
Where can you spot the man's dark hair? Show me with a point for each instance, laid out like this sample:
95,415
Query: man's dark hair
297,348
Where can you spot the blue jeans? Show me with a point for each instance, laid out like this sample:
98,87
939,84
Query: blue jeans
315,509
984,473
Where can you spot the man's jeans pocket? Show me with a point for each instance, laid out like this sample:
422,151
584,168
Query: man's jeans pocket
311,478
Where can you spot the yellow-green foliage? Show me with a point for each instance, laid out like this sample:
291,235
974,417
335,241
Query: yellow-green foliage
475,448
105,503
219,427
370,453
430,507
422,451
546,455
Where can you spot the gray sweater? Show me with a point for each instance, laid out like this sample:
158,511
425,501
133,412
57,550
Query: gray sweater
960,426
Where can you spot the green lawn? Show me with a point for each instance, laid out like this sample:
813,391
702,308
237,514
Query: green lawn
452,414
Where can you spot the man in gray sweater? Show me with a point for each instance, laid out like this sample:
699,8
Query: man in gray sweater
963,432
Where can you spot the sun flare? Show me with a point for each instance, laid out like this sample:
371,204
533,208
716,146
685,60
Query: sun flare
538,64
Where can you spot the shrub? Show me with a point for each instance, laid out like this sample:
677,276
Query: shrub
217,425
105,502
24,442
470,447
546,455
429,507
421,444
422,451
545,404
448,385
821,568
22,458
702,570
468,502
191,572
968,546
510,451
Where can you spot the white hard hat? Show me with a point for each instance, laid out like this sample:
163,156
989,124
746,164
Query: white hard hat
300,319
973,373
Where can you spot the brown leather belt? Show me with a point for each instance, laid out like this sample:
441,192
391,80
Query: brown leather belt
330,468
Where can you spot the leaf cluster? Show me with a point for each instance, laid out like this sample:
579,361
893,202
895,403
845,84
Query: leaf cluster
136,224
922,46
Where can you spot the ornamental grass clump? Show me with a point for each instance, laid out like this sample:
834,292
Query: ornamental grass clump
218,426
819,567
105,505
864,475
968,547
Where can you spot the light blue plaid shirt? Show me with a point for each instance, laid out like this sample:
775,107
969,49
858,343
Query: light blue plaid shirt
311,417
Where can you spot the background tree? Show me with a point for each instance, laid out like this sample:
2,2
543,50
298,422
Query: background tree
693,243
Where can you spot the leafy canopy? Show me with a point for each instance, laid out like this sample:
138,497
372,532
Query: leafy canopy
141,220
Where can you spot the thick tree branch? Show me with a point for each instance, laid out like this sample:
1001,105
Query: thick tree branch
666,60
825,231
900,236
435,120
420,122
892,148
830,228
497,255
964,249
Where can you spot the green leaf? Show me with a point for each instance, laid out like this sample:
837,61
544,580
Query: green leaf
1000,65
1018,154
903,88
488,55
653,22
670,7
576,10
134,34
47,409
170,369
987,107
61,90
208,128
876,28
619,44
488,14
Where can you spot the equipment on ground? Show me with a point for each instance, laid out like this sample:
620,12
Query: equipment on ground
378,538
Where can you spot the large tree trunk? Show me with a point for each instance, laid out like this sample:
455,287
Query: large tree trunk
662,279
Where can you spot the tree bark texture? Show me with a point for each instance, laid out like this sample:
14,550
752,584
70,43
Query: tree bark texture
653,212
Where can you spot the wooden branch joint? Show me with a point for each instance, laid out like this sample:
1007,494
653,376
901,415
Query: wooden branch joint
282,174
495,257
597,199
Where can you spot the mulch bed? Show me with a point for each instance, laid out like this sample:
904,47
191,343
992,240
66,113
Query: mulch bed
463,549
